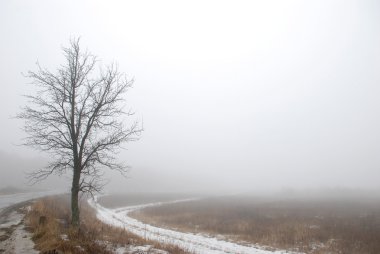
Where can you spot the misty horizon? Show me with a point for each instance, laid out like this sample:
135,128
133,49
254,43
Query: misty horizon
243,97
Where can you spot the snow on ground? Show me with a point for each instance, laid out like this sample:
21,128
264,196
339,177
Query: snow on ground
192,242
139,249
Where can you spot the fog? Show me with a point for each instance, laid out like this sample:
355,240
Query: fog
234,96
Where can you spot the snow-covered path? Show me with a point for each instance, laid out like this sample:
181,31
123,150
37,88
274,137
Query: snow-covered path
195,243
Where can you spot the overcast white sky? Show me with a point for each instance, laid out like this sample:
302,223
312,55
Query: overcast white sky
235,95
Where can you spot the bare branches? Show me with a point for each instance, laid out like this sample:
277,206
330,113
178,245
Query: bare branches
76,116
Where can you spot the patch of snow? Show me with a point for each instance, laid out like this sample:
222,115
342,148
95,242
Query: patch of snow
131,249
80,248
196,243
64,237
317,246
13,218
120,250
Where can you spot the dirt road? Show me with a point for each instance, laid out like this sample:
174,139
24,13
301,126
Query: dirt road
14,238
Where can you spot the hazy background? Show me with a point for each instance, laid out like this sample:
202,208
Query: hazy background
234,95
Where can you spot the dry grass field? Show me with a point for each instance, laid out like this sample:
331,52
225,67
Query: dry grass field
311,225
54,235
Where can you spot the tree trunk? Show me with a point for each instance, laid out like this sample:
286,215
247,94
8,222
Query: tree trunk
74,199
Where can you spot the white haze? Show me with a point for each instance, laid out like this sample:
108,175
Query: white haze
234,95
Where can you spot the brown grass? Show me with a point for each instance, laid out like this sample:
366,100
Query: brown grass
311,226
55,234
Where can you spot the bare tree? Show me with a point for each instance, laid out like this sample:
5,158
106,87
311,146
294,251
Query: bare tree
77,117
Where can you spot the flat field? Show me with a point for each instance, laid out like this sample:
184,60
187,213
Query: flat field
131,199
311,225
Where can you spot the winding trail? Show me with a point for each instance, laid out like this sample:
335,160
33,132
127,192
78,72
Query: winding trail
195,243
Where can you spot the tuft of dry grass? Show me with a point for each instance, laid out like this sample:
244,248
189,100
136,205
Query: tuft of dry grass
49,219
